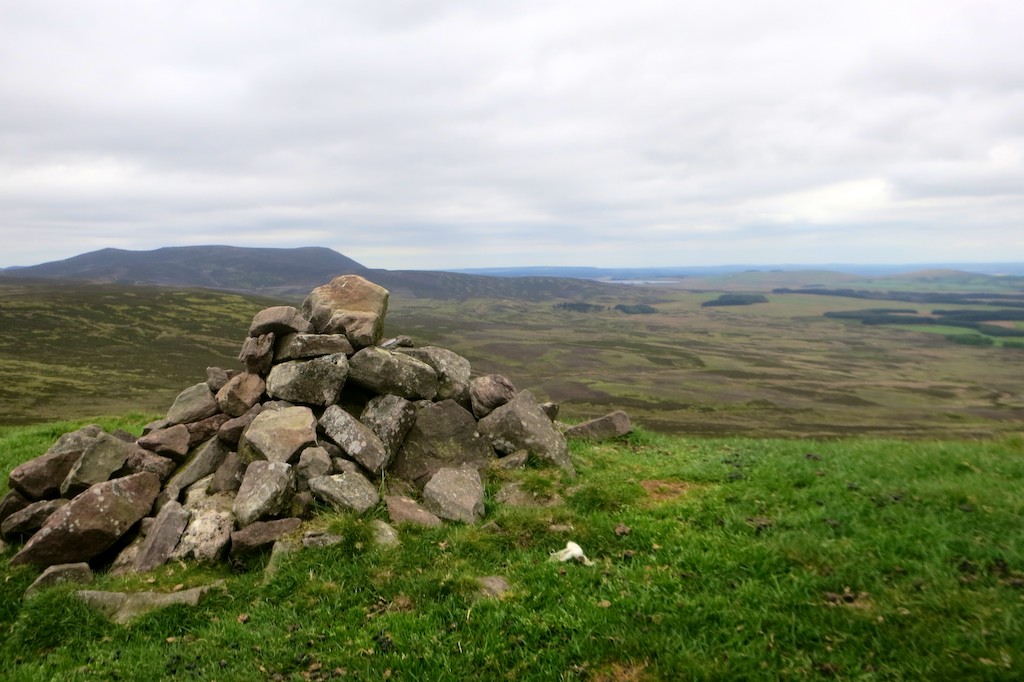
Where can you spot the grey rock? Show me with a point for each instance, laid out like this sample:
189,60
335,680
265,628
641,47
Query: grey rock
91,522
521,424
310,382
340,465
207,535
162,537
389,417
231,430
609,426
354,438
400,341
266,491
279,320
383,371
124,607
313,462
228,476
402,509
452,370
101,458
60,574
25,522
260,534
240,393
278,435
216,377
257,353
204,460
321,538
517,460
155,425
172,441
193,404
41,478
488,392
444,435
304,346
383,534
345,492
455,494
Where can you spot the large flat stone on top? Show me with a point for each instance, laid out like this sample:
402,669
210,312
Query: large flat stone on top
356,439
41,478
384,371
345,293
317,381
91,522
278,435
521,424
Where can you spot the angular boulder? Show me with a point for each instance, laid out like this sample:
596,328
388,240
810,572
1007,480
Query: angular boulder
228,476
170,442
12,502
240,393
389,417
305,346
452,370
383,371
23,523
208,532
261,534
162,538
313,462
279,320
103,457
257,353
345,492
278,435
231,430
521,424
354,438
91,522
60,574
266,491
201,463
193,404
455,494
444,435
317,381
41,478
349,294
402,509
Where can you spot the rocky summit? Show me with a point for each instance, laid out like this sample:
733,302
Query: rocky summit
323,409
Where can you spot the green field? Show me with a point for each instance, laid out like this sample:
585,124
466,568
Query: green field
715,558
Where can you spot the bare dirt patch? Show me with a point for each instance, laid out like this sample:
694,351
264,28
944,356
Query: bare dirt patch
660,491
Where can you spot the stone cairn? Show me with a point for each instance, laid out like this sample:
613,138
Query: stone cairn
324,410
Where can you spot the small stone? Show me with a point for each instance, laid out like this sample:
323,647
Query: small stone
260,534
402,509
345,492
279,320
383,534
609,426
60,574
456,494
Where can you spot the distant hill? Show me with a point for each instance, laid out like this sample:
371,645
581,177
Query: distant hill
288,274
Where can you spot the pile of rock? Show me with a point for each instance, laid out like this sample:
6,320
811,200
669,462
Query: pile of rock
324,410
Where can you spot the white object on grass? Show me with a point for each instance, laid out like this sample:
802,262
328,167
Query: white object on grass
572,552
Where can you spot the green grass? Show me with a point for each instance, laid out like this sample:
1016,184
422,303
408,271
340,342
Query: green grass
721,558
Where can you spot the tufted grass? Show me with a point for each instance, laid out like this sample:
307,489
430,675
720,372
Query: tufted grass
860,559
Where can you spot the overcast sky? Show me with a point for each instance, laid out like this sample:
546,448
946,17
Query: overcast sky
469,133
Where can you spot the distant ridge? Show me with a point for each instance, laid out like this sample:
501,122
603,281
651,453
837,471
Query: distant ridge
286,273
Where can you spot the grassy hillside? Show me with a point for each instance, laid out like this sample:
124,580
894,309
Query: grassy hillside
714,559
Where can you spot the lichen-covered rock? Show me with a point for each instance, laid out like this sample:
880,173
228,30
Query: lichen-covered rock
348,294
193,404
23,523
240,393
317,381
354,438
390,417
278,435
266,491
101,458
521,424
279,320
313,462
452,370
162,538
345,492
140,459
208,532
488,392
91,522
455,494
444,435
305,346
12,502
124,607
383,371
201,463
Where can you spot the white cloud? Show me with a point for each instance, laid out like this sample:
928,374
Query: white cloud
463,133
